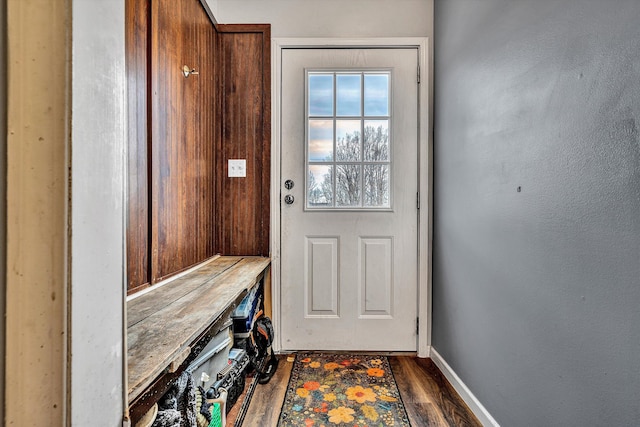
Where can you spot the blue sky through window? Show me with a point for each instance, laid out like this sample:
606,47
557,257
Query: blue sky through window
348,99
376,94
348,94
321,95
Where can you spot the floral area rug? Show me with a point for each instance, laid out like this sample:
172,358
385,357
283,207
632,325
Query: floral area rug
328,390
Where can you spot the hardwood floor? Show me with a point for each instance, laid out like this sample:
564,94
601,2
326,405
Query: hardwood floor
428,397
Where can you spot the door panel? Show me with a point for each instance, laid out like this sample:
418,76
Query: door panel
376,276
321,273
349,275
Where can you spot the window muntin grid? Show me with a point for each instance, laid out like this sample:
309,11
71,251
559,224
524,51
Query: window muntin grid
348,140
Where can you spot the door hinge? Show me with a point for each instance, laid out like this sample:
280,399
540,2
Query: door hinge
418,200
417,325
418,74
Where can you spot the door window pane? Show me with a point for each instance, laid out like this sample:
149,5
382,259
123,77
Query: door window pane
348,94
376,94
320,186
320,140
348,185
321,94
376,140
348,142
376,186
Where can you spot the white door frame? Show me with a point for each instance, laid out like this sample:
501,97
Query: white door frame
424,170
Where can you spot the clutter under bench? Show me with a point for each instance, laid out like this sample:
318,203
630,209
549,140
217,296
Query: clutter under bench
169,326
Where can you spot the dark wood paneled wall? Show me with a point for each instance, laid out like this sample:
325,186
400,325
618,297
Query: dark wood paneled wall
245,90
138,232
183,137
182,207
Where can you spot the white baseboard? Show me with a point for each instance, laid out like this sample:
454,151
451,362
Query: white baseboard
472,402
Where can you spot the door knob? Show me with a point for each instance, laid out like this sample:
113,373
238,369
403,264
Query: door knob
288,199
288,184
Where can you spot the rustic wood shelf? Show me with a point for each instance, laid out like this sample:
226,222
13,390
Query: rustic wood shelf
168,326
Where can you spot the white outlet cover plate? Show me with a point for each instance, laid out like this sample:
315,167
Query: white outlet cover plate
237,168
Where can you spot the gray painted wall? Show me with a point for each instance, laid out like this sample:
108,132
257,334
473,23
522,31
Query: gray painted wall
537,292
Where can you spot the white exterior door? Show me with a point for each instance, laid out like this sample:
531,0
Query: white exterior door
349,212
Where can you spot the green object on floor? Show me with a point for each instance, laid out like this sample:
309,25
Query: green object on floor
342,390
216,416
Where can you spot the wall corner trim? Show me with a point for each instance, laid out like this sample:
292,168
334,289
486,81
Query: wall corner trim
474,404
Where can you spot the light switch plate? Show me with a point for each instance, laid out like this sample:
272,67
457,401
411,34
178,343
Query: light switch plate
237,168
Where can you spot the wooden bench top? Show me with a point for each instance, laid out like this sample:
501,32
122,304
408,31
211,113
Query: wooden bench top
163,323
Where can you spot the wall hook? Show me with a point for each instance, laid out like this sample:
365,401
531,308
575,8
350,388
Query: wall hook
187,71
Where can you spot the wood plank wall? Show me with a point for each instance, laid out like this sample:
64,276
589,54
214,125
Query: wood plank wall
183,111
138,232
182,208
245,90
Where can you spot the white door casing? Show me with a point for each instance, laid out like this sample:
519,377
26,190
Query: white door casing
336,249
